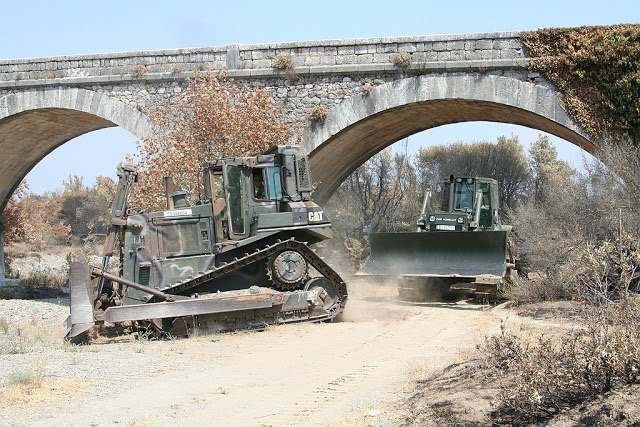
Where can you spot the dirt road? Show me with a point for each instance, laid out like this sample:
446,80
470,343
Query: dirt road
305,374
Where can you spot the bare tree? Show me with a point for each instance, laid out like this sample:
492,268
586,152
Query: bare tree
381,195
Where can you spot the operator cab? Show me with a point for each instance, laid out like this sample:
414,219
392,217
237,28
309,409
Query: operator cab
466,203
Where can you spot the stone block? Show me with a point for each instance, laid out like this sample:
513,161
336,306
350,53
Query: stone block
262,63
484,44
346,59
311,61
381,58
431,56
280,52
457,55
389,48
444,56
360,49
407,48
455,45
490,54
510,53
513,43
439,46
327,60
473,54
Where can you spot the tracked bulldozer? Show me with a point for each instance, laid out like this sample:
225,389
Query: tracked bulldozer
462,246
238,259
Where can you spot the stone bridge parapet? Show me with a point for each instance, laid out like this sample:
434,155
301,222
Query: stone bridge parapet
374,55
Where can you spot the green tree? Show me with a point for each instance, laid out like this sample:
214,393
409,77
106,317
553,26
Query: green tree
551,176
505,161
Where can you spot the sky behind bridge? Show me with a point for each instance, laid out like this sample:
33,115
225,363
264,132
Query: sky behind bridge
46,28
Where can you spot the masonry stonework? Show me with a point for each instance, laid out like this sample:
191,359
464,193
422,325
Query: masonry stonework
325,72
376,91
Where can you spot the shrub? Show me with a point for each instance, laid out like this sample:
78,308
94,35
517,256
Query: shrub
319,113
284,62
13,344
139,71
538,289
44,278
596,69
539,376
402,60
26,378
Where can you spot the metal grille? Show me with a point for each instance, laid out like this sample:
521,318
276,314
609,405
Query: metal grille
144,276
304,180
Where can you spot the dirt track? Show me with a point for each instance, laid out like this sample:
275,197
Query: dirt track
305,374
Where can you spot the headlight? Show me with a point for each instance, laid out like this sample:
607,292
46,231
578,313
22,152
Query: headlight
432,218
460,220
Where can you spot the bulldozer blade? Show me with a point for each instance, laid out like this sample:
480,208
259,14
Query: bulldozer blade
437,254
81,317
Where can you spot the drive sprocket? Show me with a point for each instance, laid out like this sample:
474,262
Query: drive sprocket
287,269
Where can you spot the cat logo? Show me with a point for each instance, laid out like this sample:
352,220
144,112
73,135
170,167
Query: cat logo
316,216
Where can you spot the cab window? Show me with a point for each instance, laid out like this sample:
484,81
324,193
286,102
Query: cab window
275,182
259,190
485,206
463,196
235,199
267,184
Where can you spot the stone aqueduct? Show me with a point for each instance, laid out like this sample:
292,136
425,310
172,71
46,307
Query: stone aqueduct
372,99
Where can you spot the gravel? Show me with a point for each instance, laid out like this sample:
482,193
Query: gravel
19,311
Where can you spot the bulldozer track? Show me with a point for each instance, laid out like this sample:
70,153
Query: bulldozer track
257,321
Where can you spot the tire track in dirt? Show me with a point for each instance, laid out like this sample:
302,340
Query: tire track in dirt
300,374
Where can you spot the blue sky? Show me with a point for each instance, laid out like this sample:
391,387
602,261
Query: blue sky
47,28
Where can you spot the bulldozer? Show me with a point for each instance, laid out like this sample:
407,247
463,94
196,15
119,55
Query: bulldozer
240,258
463,246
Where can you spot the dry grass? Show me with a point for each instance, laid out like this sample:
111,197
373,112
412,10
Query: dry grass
538,289
44,278
30,388
29,337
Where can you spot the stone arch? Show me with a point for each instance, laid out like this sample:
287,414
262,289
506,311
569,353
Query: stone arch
363,125
35,122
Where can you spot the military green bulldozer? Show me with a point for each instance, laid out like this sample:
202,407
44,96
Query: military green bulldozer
237,259
462,246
